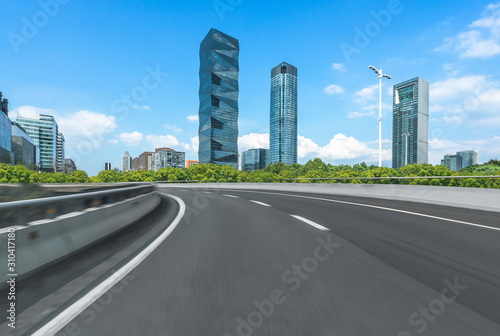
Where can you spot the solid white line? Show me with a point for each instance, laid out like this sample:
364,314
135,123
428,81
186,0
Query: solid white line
379,207
79,306
310,222
264,204
231,196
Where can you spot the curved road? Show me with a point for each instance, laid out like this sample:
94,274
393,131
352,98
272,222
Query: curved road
276,263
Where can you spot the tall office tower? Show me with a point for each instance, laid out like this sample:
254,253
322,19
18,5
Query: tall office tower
254,159
126,162
450,162
410,126
23,147
283,126
5,132
219,71
146,161
44,131
60,152
107,166
466,158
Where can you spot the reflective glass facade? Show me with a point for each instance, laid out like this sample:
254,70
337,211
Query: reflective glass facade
219,90
410,122
283,118
254,159
23,147
5,132
43,130
460,160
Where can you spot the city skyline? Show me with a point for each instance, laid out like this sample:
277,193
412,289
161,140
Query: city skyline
99,124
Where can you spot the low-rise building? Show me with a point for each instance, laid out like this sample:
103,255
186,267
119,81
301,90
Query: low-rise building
254,159
69,166
190,163
167,157
460,160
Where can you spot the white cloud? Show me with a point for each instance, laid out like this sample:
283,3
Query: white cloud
131,139
338,67
482,40
142,107
306,147
112,142
342,147
163,141
364,95
192,118
456,88
173,128
253,140
333,89
361,114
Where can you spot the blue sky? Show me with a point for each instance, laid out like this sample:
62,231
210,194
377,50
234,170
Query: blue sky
123,75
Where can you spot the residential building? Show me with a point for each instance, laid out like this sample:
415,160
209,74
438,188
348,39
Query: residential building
219,90
107,166
69,166
460,160
45,133
166,157
410,127
135,164
283,117
23,147
5,132
60,162
255,159
146,161
126,162
190,163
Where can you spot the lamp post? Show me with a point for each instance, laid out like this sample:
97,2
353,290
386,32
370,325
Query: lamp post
380,76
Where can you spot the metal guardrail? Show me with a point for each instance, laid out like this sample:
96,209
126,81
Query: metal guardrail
336,179
23,212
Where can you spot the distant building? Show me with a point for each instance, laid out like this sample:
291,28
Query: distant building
254,159
460,160
5,132
190,163
23,147
126,162
135,164
45,133
107,166
219,90
410,126
283,117
166,157
146,161
69,166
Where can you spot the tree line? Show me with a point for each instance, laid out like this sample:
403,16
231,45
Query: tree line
276,172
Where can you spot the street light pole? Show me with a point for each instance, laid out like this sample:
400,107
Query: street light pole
380,75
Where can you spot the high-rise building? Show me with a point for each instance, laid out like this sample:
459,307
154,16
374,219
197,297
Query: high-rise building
23,147
135,164
45,133
146,161
69,166
460,160
60,163
410,127
254,159
5,132
219,90
107,166
166,157
126,163
283,118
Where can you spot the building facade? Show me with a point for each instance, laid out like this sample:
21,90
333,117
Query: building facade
24,148
146,161
135,164
60,159
107,166
5,132
126,162
166,157
460,160
255,159
283,116
190,163
45,133
69,166
410,126
219,90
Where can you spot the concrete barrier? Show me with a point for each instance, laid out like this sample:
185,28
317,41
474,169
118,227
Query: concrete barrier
470,198
43,242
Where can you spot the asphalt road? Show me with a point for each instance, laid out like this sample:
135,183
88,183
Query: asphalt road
240,263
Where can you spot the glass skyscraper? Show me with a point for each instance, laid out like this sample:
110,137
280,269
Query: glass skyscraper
44,131
460,160
219,90
254,159
283,125
5,132
410,122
